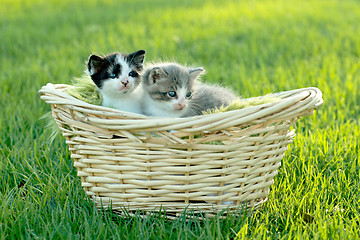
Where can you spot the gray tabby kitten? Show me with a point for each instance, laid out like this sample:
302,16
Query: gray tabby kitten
168,88
118,78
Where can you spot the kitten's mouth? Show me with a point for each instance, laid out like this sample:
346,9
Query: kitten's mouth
179,107
125,88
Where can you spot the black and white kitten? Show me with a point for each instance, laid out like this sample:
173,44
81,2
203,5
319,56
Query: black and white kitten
168,87
118,78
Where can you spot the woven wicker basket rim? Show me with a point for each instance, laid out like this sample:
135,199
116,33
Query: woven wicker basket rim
54,94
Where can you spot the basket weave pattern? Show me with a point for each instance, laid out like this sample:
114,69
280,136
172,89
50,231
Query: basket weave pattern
206,163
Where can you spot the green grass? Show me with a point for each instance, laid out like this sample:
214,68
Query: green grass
255,47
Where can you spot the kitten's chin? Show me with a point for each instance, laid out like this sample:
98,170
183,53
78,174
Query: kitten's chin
178,112
125,90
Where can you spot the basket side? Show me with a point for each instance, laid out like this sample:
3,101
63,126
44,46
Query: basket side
204,163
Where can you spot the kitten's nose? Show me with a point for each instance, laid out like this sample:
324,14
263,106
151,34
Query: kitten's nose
180,105
125,82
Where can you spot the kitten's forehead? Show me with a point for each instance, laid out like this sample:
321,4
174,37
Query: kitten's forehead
117,58
178,75
118,61
121,60
175,69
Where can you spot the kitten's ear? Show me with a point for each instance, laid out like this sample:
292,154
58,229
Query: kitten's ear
156,74
194,73
137,58
94,64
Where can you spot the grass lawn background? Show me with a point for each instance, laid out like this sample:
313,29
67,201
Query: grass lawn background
255,47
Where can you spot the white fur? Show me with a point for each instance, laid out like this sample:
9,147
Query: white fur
128,99
164,108
126,102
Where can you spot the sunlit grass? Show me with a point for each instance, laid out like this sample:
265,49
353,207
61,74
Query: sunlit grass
255,47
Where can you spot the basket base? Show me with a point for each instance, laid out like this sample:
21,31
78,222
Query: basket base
170,210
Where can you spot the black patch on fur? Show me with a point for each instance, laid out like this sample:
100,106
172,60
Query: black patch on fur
136,59
100,66
117,70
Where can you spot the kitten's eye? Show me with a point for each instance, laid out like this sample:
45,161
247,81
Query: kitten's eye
171,94
133,74
188,94
112,75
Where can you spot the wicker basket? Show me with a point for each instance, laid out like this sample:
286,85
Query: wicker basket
206,163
